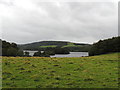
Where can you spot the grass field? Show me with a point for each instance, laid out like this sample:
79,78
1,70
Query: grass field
68,45
52,46
71,45
79,72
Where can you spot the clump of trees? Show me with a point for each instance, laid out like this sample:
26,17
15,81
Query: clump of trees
51,51
60,50
10,49
105,46
39,54
26,54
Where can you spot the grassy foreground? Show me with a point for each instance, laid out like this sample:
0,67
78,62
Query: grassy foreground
79,72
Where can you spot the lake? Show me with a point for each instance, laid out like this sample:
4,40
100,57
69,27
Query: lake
72,54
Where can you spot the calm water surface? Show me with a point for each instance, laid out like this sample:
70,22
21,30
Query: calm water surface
72,54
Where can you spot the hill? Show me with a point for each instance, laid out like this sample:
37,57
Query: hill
43,45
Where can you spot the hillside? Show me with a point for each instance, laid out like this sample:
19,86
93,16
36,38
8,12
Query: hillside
43,45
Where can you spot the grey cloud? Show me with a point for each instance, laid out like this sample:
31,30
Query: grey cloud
72,21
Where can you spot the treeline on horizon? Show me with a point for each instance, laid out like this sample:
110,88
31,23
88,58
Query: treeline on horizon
11,49
101,47
110,45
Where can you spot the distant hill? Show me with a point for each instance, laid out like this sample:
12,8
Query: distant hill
43,45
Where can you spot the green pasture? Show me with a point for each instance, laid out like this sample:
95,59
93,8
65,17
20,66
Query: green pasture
77,72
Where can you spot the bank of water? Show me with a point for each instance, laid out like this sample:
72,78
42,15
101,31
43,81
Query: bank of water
72,54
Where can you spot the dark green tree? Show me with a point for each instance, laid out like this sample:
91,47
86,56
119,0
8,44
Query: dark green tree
105,46
10,49
12,52
26,54
37,53
20,53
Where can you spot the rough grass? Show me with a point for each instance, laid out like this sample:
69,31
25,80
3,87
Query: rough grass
42,72
71,45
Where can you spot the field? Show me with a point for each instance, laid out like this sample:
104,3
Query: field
53,46
79,72
68,45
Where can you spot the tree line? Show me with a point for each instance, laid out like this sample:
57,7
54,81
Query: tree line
11,49
105,46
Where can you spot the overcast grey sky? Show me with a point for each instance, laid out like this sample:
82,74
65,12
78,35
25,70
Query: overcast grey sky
26,21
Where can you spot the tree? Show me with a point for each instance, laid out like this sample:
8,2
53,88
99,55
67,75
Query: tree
37,53
11,52
27,54
10,49
59,50
14,45
20,53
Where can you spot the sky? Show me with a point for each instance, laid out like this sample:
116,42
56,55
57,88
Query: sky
88,21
